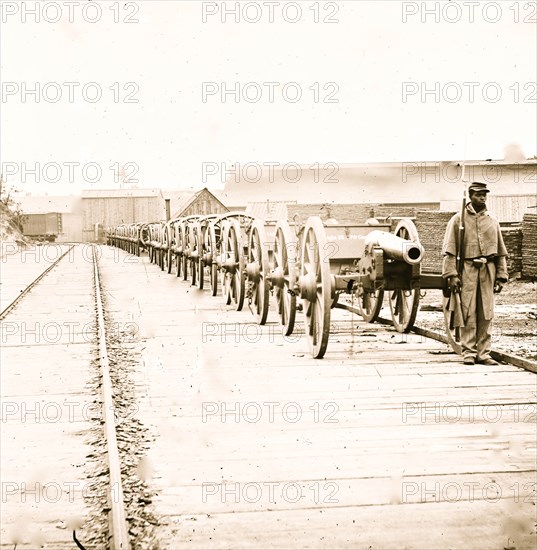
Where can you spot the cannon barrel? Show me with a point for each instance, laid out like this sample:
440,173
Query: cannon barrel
395,247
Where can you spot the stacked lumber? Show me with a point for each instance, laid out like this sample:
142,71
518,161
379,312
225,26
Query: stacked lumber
431,226
529,245
512,237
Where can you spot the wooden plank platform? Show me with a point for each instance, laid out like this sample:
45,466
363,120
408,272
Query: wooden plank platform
19,268
387,442
46,353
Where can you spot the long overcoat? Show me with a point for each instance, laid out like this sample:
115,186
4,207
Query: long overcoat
482,238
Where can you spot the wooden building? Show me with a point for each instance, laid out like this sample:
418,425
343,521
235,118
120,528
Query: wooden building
192,203
380,183
506,208
111,207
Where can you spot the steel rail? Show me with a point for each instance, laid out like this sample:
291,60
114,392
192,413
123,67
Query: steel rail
6,310
119,537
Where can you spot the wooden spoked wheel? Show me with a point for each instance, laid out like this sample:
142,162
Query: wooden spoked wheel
154,244
222,259
144,238
370,303
185,233
193,258
284,275
257,270
201,229
315,287
160,247
167,250
178,230
453,333
232,279
404,303
151,251
213,250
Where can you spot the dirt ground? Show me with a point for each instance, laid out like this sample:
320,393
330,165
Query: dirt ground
515,322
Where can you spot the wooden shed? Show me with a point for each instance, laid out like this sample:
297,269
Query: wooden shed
111,207
192,203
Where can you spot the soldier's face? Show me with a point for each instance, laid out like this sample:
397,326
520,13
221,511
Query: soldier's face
478,198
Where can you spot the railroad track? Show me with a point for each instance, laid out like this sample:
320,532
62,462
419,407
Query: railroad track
119,537
118,529
7,309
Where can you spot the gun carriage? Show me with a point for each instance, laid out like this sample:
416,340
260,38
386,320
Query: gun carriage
182,247
128,237
361,261
153,241
244,260
319,262
208,229
232,250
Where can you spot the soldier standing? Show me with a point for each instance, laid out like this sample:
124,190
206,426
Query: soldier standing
482,273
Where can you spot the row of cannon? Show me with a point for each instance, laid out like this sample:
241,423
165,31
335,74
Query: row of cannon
304,266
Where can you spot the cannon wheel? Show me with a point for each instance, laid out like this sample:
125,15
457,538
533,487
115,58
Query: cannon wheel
370,303
222,257
169,248
233,287
144,239
202,250
160,253
167,258
194,252
258,269
185,233
453,334
213,251
284,275
315,287
178,244
404,303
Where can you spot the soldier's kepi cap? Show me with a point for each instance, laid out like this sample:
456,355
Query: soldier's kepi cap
478,186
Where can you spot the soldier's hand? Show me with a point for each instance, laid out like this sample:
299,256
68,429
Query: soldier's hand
498,285
454,283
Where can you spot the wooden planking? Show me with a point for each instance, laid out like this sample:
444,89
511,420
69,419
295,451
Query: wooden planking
367,452
44,392
440,526
18,270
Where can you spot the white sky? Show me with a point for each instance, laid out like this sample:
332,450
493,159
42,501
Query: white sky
171,52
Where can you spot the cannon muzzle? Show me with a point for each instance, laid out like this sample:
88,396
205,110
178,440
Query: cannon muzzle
394,247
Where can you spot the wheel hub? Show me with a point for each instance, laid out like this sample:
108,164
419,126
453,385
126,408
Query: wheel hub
277,277
308,287
230,265
253,272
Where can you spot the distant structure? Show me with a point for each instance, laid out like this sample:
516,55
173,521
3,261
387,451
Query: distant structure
407,185
56,219
192,203
83,219
111,207
346,192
